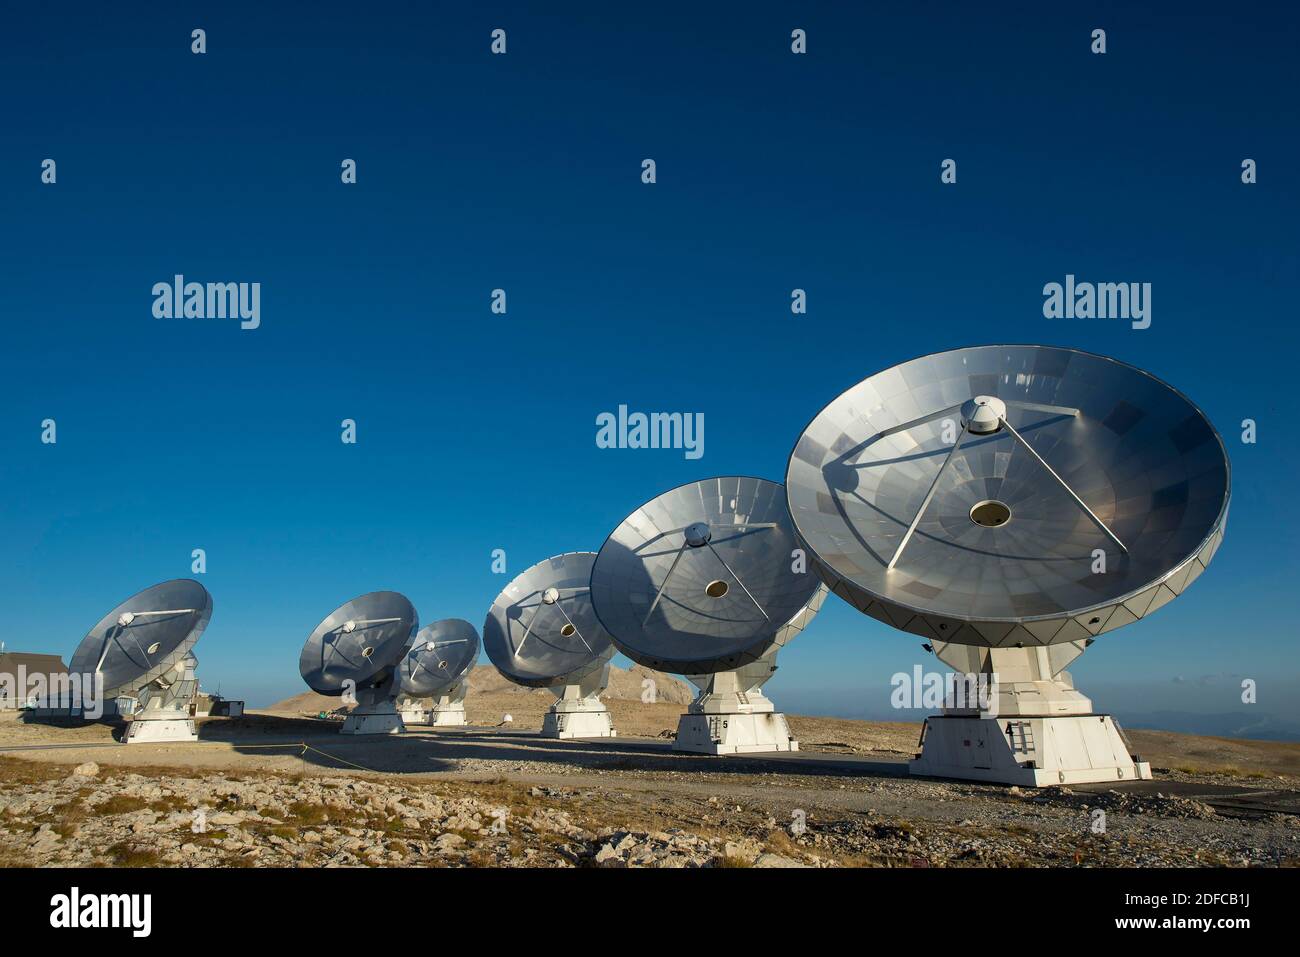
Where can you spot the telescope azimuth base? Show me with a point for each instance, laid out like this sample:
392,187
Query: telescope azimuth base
152,730
451,715
445,710
760,732
1043,731
164,709
414,712
731,715
449,707
378,719
579,724
578,711
1027,751
373,714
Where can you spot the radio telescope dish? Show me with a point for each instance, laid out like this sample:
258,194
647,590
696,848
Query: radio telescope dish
435,666
141,651
541,632
703,581
1000,499
355,651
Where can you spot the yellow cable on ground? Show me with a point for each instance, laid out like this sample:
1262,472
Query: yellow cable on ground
332,757
307,747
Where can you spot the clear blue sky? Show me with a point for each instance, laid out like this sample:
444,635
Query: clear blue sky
522,171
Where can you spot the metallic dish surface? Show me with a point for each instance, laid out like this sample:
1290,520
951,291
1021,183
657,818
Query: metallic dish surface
361,641
1035,460
701,578
541,630
440,654
145,636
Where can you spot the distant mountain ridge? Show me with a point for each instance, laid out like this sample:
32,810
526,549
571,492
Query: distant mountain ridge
625,684
1234,724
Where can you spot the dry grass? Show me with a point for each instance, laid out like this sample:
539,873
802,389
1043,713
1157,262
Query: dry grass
125,854
166,805
21,771
731,860
307,815
119,804
1227,771
779,842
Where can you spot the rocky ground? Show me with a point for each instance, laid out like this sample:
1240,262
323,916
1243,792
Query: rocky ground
246,796
91,816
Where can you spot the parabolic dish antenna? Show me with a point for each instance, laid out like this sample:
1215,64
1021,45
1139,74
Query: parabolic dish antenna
708,580
1009,504
436,666
355,653
141,651
541,632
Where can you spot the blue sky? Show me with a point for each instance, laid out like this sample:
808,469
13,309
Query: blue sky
477,431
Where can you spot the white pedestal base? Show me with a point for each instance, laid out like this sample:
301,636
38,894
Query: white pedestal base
153,730
453,717
449,707
734,733
413,716
731,715
1028,751
446,710
1030,726
164,709
419,716
378,718
578,711
578,724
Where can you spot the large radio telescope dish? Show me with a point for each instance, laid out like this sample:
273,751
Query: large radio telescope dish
440,654
965,496
700,579
541,631
361,642
145,637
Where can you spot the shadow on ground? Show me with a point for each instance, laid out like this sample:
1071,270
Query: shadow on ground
428,750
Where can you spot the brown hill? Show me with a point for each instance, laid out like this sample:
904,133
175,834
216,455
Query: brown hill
308,702
624,685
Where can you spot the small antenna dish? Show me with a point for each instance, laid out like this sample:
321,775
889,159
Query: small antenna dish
1008,504
433,675
701,581
355,652
141,652
541,632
